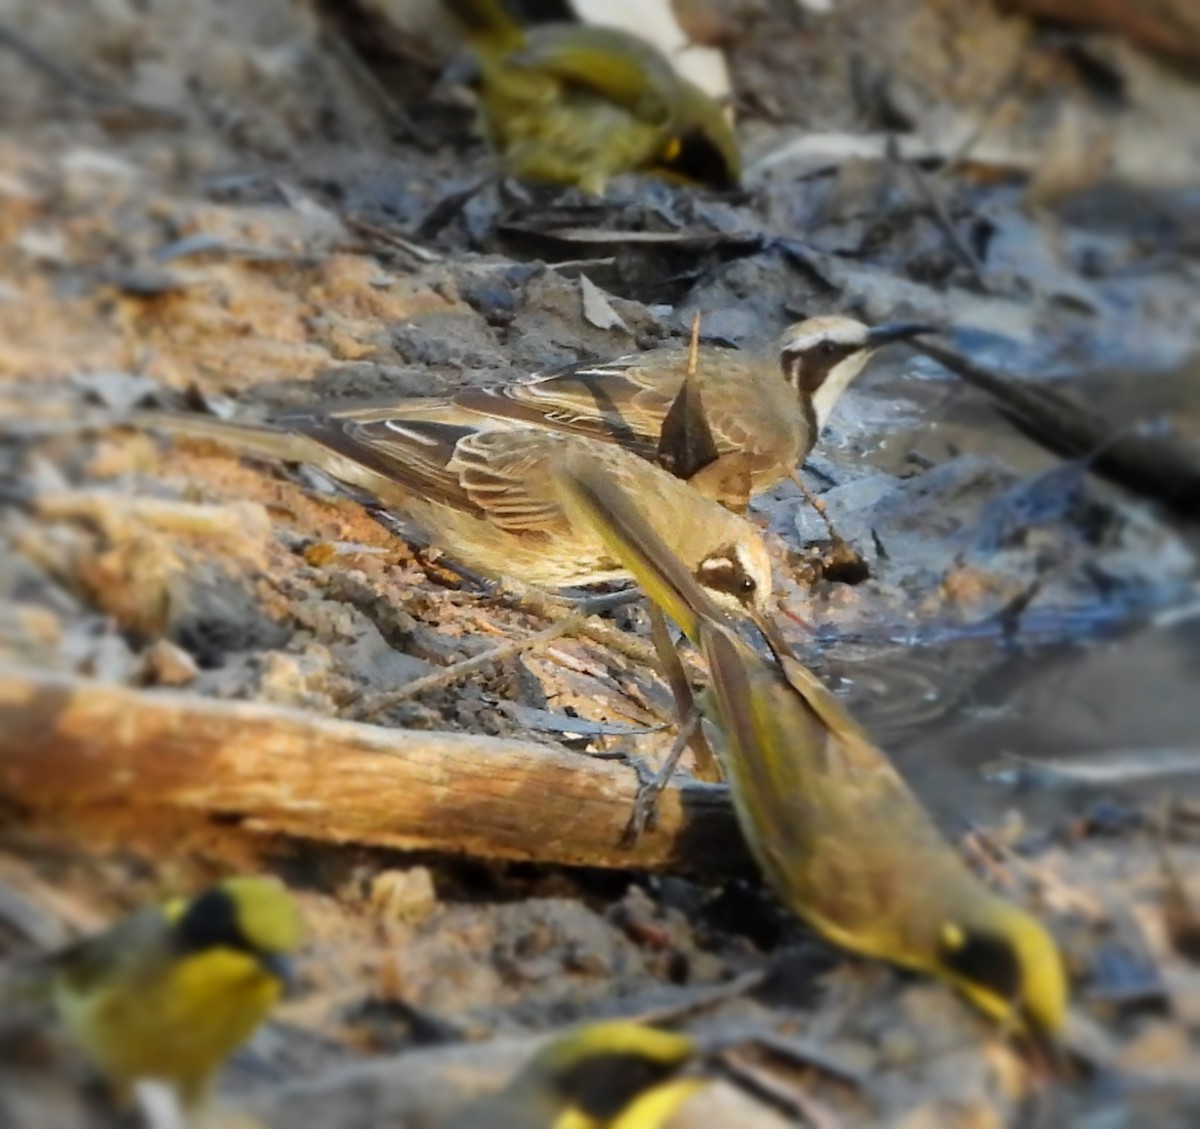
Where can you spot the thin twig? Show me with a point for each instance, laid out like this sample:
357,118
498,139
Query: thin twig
1040,876
1162,466
568,619
790,1098
421,254
375,90
1004,89
370,708
539,603
705,998
941,215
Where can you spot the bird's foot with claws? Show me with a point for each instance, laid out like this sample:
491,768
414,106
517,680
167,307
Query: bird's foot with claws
644,816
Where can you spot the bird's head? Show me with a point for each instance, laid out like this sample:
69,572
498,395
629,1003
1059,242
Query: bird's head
821,356
248,915
738,576
1006,963
601,1069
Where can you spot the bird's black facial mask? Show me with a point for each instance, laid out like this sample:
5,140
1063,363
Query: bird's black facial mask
601,1086
723,572
693,157
211,922
985,960
808,368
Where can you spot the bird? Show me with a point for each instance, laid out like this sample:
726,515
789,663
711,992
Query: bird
835,829
489,498
765,411
170,991
610,1075
573,104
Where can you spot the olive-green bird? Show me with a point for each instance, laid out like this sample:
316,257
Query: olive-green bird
490,499
171,991
577,105
763,411
614,1075
837,832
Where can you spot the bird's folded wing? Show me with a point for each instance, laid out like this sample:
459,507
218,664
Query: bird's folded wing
611,401
595,59
415,455
89,962
507,476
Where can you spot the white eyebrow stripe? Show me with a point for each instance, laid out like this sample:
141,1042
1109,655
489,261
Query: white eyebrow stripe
842,335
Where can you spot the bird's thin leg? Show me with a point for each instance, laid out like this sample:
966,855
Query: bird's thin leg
690,734
706,766
643,815
843,562
819,506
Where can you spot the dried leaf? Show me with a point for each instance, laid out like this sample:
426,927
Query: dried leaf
597,308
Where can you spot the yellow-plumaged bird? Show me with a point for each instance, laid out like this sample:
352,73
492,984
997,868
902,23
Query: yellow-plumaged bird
614,1075
490,498
171,991
837,832
576,105
765,409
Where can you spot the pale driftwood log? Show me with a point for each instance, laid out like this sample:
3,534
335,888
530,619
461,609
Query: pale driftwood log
68,745
1161,467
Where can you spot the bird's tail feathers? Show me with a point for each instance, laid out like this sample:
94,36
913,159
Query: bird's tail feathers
246,438
486,23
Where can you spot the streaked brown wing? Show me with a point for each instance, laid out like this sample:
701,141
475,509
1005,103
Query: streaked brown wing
415,454
506,476
618,401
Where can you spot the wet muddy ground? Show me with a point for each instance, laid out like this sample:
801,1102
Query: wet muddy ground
203,206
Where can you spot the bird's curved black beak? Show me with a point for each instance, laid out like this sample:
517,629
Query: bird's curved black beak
898,331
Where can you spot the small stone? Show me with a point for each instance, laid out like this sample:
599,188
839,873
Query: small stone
165,664
405,896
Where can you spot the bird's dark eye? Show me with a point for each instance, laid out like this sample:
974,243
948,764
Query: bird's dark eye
829,349
747,584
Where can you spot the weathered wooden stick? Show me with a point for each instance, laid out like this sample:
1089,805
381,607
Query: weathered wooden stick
1160,467
69,745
